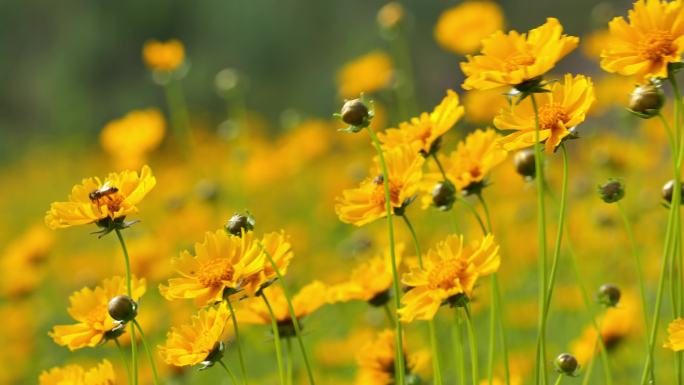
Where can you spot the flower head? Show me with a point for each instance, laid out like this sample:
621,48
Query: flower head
366,203
129,139
102,374
163,56
653,38
450,269
560,111
192,344
461,29
89,308
94,199
376,360
366,74
512,59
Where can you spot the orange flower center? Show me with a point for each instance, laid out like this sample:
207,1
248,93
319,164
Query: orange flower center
378,196
657,45
517,60
551,115
107,196
446,273
215,272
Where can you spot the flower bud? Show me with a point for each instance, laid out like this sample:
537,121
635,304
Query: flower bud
355,113
566,364
390,15
609,295
524,163
122,308
413,379
444,195
239,222
611,191
668,192
646,100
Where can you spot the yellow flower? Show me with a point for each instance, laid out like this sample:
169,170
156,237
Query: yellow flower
425,131
93,200
89,309
461,29
102,374
191,344
513,58
368,73
25,258
653,38
594,43
450,269
366,203
129,139
560,111
163,56
222,262
376,360
675,335
482,106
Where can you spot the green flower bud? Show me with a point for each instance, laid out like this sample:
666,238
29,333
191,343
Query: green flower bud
524,163
355,113
566,364
609,295
122,308
668,191
646,100
239,222
413,379
612,191
444,195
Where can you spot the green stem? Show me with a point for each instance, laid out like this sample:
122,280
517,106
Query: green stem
178,110
473,346
129,291
388,313
230,372
502,329
148,351
399,339
124,359
276,339
459,354
290,361
243,370
560,378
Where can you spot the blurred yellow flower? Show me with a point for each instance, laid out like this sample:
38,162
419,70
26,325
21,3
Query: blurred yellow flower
513,58
483,105
560,111
163,56
376,360
25,257
93,200
366,203
89,308
129,139
652,39
193,343
424,132
595,42
102,374
390,15
449,269
366,74
462,28
675,335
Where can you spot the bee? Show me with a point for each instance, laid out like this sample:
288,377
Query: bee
102,192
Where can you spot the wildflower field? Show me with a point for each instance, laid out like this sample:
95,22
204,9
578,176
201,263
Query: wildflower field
450,193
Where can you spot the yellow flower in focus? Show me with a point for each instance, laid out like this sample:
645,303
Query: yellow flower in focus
129,139
513,58
653,38
483,105
366,74
366,203
163,56
222,262
462,28
560,111
102,374
94,199
376,360
423,132
675,335
89,309
449,269
193,343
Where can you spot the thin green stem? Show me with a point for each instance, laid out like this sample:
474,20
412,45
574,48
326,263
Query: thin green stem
457,336
148,351
560,378
416,245
590,367
124,359
276,338
241,358
502,330
399,339
178,110
472,340
388,313
129,291
230,372
290,362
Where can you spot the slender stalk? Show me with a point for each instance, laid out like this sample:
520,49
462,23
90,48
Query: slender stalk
290,361
457,337
230,372
560,378
388,313
124,359
590,367
293,316
148,351
129,291
502,329
276,339
180,122
243,370
540,364
472,340
399,339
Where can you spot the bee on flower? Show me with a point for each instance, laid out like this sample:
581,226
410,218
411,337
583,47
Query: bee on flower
102,374
163,56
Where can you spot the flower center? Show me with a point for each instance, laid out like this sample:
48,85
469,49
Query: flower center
551,115
446,273
657,45
107,196
517,60
215,272
378,196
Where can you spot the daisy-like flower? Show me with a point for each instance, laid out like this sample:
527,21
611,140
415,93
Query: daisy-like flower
25,257
129,139
461,29
98,200
423,132
278,246
366,203
653,38
163,56
376,361
222,264
102,374
513,59
200,342
449,270
366,74
89,308
560,111
675,335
